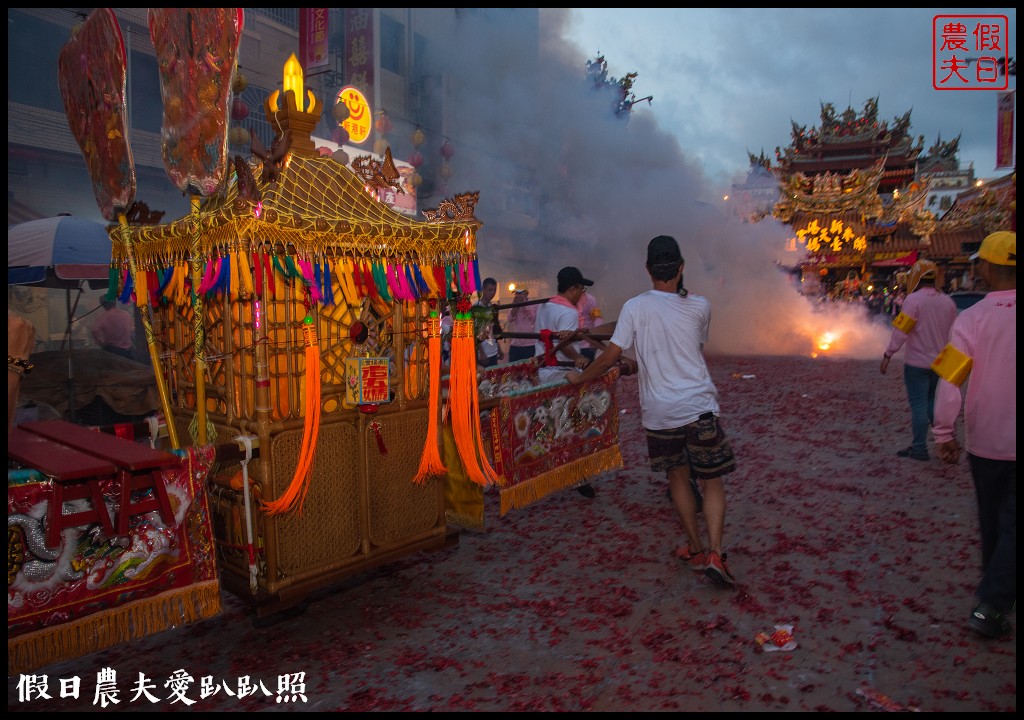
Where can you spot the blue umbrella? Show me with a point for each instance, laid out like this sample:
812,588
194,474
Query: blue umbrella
58,252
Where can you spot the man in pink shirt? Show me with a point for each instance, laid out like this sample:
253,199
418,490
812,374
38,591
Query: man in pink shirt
983,347
521,319
591,313
923,325
114,329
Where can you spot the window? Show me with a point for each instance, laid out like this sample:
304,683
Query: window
146,104
392,45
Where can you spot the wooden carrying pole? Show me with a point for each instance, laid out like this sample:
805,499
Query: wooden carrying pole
512,306
142,301
199,327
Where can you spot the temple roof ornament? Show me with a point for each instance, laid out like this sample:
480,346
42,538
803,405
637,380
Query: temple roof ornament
830,193
849,128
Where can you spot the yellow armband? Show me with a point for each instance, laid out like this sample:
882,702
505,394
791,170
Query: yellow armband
952,365
904,322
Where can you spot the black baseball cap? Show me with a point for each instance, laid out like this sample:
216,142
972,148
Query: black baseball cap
569,276
663,250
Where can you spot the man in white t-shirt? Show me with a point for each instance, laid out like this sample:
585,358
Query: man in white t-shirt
678,400
560,316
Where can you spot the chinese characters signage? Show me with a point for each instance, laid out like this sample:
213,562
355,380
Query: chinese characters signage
178,688
969,52
1004,130
359,52
313,38
358,122
366,380
831,237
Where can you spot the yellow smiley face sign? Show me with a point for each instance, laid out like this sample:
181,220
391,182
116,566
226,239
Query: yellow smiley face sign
359,118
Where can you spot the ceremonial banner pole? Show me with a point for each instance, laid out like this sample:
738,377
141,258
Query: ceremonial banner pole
92,74
196,264
142,302
196,52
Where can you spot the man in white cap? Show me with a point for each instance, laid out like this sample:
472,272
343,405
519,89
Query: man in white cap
983,348
923,325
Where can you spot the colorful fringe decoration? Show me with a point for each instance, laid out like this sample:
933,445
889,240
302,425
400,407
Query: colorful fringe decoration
123,623
112,283
296,492
431,464
464,397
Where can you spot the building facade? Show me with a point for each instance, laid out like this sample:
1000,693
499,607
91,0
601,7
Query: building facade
396,56
864,201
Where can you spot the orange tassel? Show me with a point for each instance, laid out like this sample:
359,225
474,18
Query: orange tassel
465,403
431,464
296,492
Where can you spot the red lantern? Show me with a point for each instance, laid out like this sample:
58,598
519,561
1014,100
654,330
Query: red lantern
447,150
239,110
339,135
418,137
416,159
383,124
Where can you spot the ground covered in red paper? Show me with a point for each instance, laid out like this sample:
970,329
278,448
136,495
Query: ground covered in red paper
575,604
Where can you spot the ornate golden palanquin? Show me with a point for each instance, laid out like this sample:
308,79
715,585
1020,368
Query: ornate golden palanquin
265,258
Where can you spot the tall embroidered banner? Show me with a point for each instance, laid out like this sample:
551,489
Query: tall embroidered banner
1004,129
359,50
313,43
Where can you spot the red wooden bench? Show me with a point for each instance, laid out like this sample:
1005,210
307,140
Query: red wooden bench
75,475
137,466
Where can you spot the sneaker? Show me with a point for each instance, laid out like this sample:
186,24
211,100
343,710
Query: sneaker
988,621
696,559
717,570
909,452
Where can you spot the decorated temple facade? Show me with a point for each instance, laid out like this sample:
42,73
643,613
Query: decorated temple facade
853,141
865,201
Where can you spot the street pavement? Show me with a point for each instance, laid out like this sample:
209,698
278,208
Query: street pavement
575,604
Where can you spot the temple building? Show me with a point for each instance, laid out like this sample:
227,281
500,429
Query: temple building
864,201
755,197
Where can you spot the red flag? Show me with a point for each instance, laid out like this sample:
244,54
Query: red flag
1004,130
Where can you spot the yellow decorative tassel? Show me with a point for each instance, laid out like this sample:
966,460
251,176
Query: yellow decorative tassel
241,261
431,464
181,295
540,486
344,273
134,620
465,401
295,495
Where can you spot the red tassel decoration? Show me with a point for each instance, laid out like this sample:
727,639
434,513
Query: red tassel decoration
381,447
465,400
295,495
431,464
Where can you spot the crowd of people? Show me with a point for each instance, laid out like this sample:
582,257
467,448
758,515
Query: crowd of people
666,328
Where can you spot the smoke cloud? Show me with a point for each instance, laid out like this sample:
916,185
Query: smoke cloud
607,185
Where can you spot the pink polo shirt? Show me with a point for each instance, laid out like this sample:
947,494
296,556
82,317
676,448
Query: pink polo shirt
987,333
934,313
